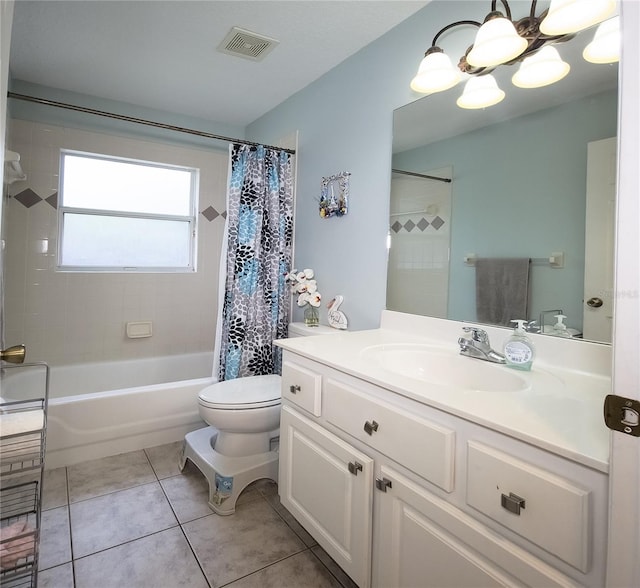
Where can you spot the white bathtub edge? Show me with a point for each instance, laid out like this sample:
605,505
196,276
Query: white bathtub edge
96,425
69,456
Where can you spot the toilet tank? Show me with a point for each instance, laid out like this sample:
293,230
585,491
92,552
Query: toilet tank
302,330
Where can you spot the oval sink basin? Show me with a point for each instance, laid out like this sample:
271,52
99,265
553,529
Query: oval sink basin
442,367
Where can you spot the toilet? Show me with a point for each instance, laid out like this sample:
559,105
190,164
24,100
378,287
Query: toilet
240,445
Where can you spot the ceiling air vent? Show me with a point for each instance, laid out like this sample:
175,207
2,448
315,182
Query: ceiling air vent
247,44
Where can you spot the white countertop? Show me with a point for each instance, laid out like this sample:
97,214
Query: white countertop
558,408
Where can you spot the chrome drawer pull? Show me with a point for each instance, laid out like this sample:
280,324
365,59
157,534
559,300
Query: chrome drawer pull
513,503
354,468
294,388
383,484
370,427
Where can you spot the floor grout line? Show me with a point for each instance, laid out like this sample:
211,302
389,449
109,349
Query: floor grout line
195,556
184,533
73,567
125,543
147,483
264,567
265,493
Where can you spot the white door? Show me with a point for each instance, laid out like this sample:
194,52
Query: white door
599,240
328,486
623,563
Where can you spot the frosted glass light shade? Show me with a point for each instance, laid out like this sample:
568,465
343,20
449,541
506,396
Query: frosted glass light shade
480,92
605,47
435,74
541,69
496,42
571,16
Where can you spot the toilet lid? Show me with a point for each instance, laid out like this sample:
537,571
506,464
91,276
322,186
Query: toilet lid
251,392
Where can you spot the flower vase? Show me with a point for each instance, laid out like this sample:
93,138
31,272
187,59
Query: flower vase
311,316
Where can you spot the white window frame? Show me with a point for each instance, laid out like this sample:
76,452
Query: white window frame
191,218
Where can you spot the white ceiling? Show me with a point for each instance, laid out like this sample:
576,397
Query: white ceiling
162,54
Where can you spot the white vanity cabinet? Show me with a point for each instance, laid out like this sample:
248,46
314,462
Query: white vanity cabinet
328,487
402,494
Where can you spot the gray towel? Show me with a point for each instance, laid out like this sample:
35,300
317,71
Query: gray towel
502,290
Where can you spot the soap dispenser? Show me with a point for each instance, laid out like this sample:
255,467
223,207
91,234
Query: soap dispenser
560,329
519,350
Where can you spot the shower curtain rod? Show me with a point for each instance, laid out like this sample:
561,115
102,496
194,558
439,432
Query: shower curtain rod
408,173
140,121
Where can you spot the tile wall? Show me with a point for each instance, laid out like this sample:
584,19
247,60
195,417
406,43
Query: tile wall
66,318
420,231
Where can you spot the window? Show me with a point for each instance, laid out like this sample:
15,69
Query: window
120,214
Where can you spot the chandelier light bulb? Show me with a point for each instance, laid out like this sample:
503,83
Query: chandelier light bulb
605,47
435,74
497,41
571,16
543,68
480,92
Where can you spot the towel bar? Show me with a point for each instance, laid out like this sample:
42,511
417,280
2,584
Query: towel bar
555,260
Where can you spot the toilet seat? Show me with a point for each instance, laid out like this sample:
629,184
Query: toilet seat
242,393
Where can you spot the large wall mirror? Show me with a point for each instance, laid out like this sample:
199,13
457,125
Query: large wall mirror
532,177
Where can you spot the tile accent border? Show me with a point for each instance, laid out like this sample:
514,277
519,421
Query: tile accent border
437,223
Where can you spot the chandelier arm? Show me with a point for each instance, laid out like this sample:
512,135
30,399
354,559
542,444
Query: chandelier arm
527,28
454,24
506,7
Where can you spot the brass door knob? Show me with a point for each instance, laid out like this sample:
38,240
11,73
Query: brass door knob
14,354
595,302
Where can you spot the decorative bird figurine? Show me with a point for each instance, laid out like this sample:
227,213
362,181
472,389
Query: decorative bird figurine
337,319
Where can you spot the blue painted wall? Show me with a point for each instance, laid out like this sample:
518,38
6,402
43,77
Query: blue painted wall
345,123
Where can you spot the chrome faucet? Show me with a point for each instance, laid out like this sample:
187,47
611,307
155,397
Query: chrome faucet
532,327
478,346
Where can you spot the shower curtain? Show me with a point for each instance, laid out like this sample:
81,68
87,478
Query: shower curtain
254,299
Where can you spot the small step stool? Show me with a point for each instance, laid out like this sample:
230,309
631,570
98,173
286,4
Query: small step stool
227,476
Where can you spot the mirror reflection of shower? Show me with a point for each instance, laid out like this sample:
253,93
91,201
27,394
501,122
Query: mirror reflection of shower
419,240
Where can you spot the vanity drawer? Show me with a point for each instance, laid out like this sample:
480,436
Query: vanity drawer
553,514
422,446
302,386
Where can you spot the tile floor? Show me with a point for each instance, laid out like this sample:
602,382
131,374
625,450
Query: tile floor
133,520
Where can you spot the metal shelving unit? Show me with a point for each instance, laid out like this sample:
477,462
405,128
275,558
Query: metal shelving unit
23,426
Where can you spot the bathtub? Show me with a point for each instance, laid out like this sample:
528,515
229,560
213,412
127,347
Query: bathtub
106,408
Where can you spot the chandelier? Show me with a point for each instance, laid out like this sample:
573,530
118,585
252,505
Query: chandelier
530,41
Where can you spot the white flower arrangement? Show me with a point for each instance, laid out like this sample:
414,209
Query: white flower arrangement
303,284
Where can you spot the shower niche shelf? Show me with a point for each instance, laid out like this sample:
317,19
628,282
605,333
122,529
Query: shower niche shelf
23,426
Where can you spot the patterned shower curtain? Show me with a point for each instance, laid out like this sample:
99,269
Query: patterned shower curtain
258,239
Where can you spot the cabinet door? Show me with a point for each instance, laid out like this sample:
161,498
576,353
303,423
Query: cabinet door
423,541
328,485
